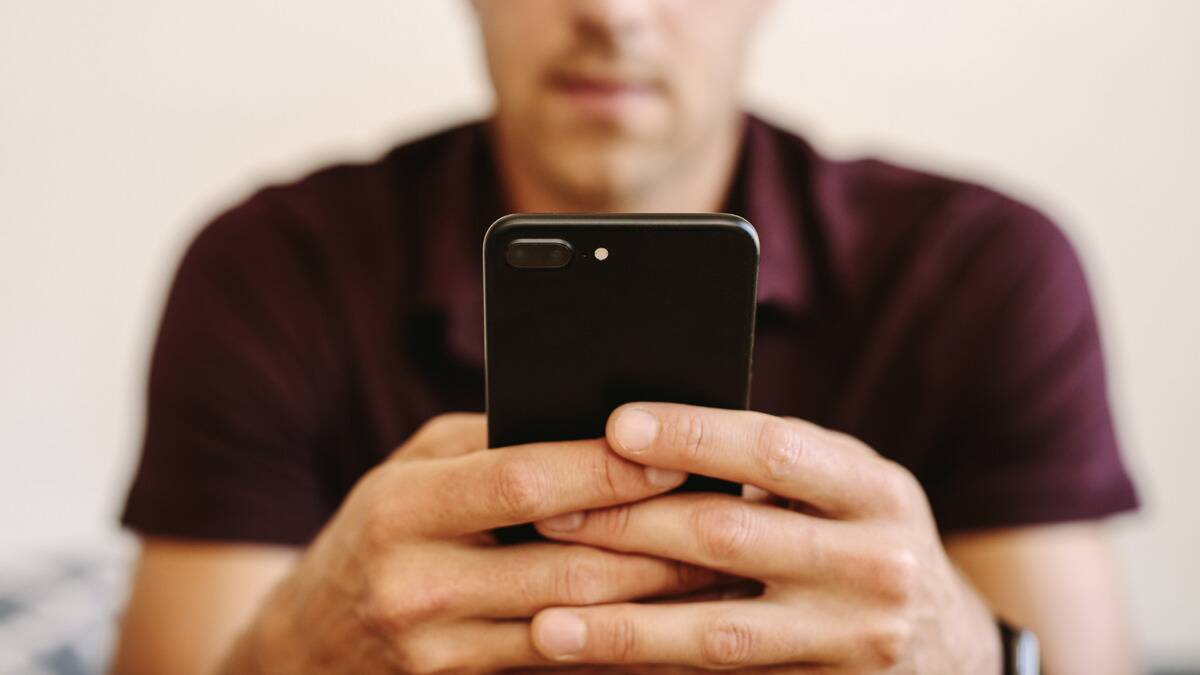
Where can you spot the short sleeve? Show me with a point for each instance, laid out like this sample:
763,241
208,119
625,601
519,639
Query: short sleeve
243,370
1031,436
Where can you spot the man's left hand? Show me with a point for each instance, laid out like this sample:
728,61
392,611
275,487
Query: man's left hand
854,576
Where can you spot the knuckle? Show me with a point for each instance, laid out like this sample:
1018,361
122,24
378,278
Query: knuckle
807,537
686,432
394,610
518,489
581,580
778,447
534,590
723,528
379,525
694,436
897,488
435,424
895,576
432,428
603,465
379,614
428,600
375,617
612,521
619,639
726,642
887,642
376,510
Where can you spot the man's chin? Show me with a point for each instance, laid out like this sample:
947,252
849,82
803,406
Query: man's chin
605,164
605,181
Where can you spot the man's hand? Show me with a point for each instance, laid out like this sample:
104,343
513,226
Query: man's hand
855,579
405,578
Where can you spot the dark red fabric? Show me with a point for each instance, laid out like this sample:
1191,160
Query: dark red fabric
314,327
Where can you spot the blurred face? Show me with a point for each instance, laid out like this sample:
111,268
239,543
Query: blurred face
602,99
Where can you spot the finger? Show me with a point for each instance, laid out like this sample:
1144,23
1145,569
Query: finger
468,646
446,435
722,634
480,491
792,459
728,534
525,579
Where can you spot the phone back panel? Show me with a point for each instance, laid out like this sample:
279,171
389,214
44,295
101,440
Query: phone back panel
668,316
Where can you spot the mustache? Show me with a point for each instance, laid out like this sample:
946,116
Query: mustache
595,59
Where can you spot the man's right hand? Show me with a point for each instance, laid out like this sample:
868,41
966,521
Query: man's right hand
407,578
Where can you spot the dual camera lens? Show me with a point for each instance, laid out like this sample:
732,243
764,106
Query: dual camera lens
538,253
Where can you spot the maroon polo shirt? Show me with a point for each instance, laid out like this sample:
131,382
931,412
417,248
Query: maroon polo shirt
312,328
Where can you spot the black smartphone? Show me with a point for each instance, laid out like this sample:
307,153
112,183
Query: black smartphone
583,313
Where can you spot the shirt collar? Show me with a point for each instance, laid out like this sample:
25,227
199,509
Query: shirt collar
767,190
466,197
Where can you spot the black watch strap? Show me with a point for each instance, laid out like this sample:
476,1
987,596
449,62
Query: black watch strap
1022,653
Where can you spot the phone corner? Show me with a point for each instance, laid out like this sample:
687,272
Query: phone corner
502,223
747,228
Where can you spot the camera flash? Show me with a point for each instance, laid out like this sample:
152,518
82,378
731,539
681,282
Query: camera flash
601,253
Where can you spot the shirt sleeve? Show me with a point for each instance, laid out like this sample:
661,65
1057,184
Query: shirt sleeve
1031,437
241,378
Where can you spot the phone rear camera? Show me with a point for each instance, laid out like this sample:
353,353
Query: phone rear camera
538,253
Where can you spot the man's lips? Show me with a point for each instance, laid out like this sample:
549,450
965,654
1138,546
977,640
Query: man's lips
601,86
602,94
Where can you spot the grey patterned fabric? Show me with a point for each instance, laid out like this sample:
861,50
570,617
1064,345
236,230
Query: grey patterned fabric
58,611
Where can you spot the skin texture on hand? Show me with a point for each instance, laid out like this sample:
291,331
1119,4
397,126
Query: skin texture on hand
855,579
406,576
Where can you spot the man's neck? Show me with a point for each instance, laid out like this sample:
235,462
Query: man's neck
699,182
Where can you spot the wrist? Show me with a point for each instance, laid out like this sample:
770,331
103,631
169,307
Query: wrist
980,644
990,655
267,645
244,658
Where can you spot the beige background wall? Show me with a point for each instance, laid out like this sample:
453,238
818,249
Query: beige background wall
124,125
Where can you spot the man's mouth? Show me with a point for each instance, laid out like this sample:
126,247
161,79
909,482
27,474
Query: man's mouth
603,95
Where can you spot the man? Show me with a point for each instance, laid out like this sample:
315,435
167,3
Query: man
931,445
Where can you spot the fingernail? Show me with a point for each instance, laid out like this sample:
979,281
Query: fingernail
562,634
565,522
635,429
664,477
